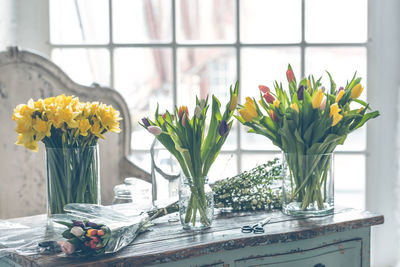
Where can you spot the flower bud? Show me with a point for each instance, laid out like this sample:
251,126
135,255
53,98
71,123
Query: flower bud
356,91
77,231
263,89
269,98
339,95
197,111
317,99
154,130
300,92
146,122
223,128
68,248
290,75
234,102
295,107
323,105
78,223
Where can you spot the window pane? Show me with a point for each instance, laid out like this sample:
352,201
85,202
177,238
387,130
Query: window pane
252,160
141,21
336,21
79,22
223,167
349,173
143,76
264,66
84,66
206,71
341,62
270,21
206,20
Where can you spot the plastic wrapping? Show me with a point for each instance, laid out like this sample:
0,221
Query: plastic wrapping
25,239
118,231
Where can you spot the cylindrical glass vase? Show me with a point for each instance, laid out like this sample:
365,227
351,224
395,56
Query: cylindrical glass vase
72,177
196,203
308,187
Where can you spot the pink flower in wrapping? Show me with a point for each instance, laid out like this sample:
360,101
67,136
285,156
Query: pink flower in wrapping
154,130
68,248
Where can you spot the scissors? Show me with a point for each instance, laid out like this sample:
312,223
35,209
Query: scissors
257,228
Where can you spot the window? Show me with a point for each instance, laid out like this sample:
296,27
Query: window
159,51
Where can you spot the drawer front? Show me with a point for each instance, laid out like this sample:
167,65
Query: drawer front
344,254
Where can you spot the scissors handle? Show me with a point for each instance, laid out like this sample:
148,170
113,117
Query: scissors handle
247,229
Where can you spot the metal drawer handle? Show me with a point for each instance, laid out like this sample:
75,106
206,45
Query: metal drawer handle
319,265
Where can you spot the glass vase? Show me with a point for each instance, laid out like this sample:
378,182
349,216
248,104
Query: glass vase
307,184
72,177
196,203
165,173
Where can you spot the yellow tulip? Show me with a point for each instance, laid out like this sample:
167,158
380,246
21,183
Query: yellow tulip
334,109
317,99
295,107
250,107
336,118
339,96
234,102
334,112
356,91
276,103
308,84
246,115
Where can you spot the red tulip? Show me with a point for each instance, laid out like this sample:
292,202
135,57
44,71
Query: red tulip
263,89
269,98
290,75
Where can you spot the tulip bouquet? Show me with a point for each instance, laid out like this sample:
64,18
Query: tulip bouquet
70,130
195,150
307,122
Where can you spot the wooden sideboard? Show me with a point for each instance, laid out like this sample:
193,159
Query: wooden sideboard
341,239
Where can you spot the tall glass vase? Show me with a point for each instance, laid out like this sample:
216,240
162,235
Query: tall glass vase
307,184
72,177
196,203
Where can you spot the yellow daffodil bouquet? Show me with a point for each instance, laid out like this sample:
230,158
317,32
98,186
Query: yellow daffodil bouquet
307,122
70,130
194,149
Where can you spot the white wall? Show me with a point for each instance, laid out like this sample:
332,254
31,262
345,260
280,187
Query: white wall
382,158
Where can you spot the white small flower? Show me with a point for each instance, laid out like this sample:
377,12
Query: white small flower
202,103
77,231
197,111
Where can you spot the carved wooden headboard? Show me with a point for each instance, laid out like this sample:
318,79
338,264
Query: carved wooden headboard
24,75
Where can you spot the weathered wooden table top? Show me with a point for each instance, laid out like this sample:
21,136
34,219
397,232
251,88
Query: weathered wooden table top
168,242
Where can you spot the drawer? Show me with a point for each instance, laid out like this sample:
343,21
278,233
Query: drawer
343,254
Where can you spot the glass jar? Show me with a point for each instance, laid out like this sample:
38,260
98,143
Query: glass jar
307,184
196,204
132,197
165,172
73,176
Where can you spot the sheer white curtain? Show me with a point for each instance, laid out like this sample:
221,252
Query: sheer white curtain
25,23
382,160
